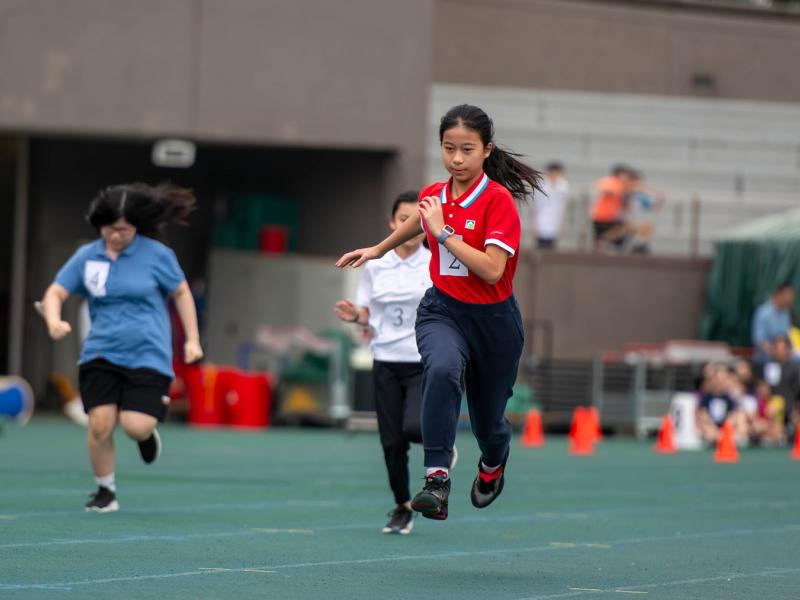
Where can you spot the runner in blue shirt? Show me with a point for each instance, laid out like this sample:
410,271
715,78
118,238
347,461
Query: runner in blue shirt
126,360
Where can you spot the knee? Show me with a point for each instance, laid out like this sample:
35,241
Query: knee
139,427
444,370
100,429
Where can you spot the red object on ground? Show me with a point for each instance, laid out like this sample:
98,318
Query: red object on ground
594,420
206,386
273,239
665,444
248,400
726,446
533,435
582,433
796,450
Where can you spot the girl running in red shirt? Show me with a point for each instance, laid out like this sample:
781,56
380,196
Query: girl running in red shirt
469,329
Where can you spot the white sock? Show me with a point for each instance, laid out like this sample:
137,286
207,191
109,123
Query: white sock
486,469
107,481
431,470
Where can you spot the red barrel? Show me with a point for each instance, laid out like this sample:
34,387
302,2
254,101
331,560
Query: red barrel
206,387
248,400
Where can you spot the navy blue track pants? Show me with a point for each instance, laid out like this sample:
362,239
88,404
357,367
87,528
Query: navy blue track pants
472,346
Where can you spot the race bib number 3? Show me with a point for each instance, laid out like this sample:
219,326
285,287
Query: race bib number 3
95,276
449,264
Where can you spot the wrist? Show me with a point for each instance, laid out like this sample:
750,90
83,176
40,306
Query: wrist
356,319
444,233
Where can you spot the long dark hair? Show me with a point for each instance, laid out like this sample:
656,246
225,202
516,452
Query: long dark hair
502,165
149,209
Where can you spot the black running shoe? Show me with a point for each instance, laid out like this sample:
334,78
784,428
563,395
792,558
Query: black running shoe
150,448
431,502
102,501
487,486
401,521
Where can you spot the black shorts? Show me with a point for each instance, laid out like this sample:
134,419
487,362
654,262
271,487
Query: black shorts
141,390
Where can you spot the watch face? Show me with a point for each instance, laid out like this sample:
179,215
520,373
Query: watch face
449,229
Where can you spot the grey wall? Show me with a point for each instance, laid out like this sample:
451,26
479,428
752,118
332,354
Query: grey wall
347,74
597,303
603,47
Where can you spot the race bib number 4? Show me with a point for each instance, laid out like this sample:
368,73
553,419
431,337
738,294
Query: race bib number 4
449,264
95,276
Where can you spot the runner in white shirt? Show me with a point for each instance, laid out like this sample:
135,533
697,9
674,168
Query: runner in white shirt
387,299
550,204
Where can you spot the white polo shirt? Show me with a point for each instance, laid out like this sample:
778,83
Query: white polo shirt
391,289
550,207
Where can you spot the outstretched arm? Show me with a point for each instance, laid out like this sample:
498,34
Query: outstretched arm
347,311
409,229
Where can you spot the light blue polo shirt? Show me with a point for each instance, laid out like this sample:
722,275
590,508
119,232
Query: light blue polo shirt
768,324
127,302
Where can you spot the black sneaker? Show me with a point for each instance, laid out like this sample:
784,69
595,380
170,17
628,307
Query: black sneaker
431,502
487,486
150,448
401,521
102,501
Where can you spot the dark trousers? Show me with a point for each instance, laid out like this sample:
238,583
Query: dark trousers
472,346
397,405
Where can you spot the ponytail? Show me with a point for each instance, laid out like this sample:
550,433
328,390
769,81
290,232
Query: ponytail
149,209
518,178
502,165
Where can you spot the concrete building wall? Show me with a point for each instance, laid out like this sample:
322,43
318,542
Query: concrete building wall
597,303
349,74
608,47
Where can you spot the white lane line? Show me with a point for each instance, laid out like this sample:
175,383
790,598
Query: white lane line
447,555
632,589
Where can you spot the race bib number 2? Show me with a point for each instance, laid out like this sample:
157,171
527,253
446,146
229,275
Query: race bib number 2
449,264
95,276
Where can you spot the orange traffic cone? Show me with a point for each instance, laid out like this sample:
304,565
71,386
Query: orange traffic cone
532,435
577,416
796,450
665,444
582,433
594,420
726,447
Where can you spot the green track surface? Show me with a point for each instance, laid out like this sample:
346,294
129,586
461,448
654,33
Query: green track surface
297,514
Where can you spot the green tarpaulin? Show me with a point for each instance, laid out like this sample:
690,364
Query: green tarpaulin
750,262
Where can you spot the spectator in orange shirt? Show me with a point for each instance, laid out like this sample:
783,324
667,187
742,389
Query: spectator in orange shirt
609,206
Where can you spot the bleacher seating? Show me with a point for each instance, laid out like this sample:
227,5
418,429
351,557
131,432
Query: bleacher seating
738,159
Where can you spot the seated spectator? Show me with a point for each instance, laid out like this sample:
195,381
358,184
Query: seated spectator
641,202
717,405
608,208
772,320
783,378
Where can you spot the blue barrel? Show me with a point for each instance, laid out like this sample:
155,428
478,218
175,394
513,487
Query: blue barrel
16,399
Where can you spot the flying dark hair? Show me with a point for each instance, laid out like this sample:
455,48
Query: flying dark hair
407,197
149,209
502,165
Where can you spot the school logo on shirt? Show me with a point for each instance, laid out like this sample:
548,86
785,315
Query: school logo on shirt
470,224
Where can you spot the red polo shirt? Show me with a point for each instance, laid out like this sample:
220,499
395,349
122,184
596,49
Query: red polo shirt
485,214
